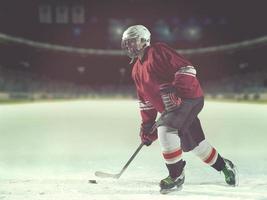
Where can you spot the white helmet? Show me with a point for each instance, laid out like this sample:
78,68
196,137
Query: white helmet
135,39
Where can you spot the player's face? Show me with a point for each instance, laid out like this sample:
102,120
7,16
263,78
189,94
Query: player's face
132,46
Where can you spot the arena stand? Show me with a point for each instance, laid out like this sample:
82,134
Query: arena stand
27,86
244,78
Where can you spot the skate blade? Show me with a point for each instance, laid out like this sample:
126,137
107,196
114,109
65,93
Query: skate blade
167,191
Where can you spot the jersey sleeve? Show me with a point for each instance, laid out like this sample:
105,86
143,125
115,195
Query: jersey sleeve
147,110
173,60
166,62
178,71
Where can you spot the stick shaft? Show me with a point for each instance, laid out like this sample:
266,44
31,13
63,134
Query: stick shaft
130,160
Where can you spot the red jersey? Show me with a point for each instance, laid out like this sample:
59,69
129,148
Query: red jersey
160,65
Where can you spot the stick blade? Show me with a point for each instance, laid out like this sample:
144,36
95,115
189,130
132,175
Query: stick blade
106,175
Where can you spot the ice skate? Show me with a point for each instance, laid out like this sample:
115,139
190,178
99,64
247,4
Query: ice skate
170,184
230,173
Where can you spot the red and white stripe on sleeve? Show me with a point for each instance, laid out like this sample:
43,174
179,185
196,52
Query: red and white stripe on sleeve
188,70
145,105
148,112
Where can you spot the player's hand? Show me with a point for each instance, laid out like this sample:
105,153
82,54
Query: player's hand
148,133
173,115
169,97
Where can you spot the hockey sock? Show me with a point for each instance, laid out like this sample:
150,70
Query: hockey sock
219,165
176,169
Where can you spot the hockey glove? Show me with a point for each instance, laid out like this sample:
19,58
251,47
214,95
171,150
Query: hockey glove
169,97
148,133
172,105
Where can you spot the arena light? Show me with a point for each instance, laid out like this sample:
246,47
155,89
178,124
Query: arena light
77,31
162,31
81,69
192,32
118,31
115,30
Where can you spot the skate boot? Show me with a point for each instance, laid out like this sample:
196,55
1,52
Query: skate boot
170,184
230,173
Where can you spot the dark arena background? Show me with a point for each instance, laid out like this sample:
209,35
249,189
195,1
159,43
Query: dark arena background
68,104
52,47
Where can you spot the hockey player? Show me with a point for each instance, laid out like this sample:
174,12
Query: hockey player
166,83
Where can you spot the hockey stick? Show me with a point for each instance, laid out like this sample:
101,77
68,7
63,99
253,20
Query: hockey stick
117,176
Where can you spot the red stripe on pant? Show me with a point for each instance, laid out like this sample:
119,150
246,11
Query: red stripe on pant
211,156
173,154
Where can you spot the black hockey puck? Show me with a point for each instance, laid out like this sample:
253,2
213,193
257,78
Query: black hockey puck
92,181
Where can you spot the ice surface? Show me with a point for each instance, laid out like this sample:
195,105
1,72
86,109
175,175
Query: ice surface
51,150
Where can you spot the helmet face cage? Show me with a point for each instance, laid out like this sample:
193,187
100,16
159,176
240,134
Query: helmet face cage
135,39
132,46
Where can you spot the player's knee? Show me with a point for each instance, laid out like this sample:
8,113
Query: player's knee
168,138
